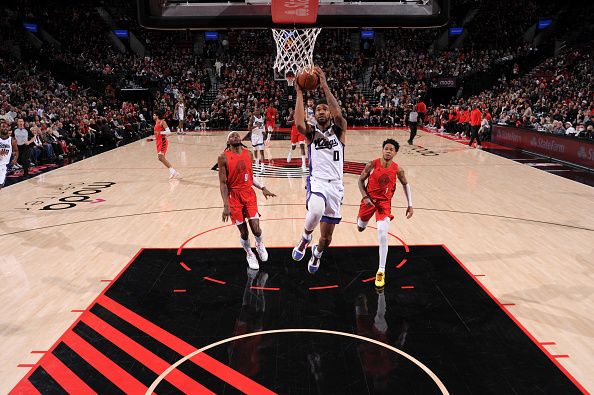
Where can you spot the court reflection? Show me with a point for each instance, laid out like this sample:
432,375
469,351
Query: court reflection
378,363
244,354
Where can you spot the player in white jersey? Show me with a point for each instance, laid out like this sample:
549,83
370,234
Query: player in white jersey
325,188
180,114
257,127
8,145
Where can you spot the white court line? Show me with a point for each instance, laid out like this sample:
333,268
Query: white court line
433,376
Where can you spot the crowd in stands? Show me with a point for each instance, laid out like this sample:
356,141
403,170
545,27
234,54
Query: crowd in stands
557,97
375,88
61,121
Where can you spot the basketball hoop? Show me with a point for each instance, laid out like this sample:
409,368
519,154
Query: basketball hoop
294,50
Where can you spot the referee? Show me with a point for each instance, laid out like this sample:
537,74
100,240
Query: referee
413,118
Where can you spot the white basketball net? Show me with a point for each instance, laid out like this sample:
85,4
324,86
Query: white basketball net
294,49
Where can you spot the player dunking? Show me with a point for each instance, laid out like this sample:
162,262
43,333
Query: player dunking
271,115
161,132
325,188
296,137
381,175
8,146
257,128
239,199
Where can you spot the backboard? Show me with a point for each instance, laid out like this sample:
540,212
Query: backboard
256,14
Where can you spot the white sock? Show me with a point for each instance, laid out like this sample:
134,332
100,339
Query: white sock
247,245
307,236
382,235
315,209
257,161
317,254
302,160
259,239
171,170
361,224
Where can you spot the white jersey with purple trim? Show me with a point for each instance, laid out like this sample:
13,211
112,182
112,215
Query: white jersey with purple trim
326,154
5,150
258,125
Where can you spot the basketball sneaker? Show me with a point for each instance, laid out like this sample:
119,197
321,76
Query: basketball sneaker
380,279
314,262
262,253
299,250
252,261
174,174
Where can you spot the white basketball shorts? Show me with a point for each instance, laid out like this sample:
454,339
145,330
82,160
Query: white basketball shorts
257,140
3,171
332,192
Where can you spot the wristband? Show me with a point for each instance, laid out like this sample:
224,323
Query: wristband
257,184
408,194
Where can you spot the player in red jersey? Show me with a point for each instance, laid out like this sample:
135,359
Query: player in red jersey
296,137
377,195
161,132
239,199
271,115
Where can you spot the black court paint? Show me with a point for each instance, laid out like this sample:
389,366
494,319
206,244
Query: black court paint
447,321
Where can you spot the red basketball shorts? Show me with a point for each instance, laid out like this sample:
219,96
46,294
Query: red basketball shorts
297,137
243,204
162,145
381,209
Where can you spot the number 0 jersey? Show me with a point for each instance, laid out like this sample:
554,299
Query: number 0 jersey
326,153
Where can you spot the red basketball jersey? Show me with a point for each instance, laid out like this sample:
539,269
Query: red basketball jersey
160,139
158,129
239,170
271,114
381,184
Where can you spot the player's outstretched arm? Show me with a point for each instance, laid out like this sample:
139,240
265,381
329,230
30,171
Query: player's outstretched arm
407,192
299,114
264,190
15,151
166,131
332,102
362,178
259,185
223,186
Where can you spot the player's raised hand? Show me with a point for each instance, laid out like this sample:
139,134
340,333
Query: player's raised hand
226,213
267,193
318,70
409,212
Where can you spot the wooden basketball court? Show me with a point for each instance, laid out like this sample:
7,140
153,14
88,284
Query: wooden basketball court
525,235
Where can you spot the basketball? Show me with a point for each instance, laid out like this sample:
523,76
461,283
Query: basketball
308,79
